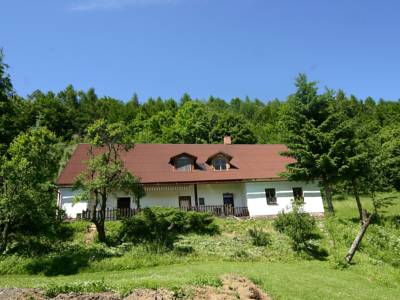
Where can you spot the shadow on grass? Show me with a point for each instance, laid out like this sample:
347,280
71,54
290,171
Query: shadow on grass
316,252
69,262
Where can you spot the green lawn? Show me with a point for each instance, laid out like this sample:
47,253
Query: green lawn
299,280
375,273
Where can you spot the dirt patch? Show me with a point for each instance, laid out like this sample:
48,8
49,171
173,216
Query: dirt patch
233,287
147,294
90,234
89,296
21,294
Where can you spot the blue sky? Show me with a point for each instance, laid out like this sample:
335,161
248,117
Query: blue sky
224,48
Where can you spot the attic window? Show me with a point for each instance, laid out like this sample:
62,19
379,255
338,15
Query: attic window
220,161
220,164
183,163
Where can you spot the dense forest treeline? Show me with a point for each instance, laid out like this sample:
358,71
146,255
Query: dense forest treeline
69,112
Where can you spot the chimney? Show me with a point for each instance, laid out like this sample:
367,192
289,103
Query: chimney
227,140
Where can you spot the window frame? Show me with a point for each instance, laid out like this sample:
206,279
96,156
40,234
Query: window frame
202,201
296,197
269,198
184,168
220,158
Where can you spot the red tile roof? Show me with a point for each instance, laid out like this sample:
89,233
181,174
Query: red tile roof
150,162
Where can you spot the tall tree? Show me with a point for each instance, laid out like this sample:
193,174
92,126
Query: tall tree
308,127
27,189
354,155
8,112
106,172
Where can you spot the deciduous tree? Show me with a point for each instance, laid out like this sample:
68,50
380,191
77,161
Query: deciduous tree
27,191
106,172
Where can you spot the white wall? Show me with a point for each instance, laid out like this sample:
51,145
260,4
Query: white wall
67,202
213,193
257,203
250,194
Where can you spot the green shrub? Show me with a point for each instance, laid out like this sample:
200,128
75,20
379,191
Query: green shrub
299,226
80,287
259,237
160,227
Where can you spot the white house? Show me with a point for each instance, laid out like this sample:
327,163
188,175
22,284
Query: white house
224,179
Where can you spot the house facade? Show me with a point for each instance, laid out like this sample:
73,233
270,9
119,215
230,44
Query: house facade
234,179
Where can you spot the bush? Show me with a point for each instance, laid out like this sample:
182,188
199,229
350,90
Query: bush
53,290
160,227
259,237
300,227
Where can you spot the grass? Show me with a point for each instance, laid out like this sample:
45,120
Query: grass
199,260
298,280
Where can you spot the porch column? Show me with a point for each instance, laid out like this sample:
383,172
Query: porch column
196,202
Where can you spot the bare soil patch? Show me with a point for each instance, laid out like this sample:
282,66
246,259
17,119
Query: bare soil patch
233,288
21,294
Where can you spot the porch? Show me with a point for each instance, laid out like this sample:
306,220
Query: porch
215,210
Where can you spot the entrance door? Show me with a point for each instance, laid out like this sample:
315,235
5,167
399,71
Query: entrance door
123,202
185,202
123,205
229,205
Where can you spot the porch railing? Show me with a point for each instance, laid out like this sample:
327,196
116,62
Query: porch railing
216,210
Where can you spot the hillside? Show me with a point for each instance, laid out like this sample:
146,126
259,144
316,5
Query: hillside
84,265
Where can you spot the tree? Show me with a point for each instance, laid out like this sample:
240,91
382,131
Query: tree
106,172
308,125
27,191
233,125
389,155
192,124
354,155
8,112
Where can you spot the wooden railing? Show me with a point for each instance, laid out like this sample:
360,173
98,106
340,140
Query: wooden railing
216,210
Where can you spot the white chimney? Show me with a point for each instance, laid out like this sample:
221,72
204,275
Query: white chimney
227,140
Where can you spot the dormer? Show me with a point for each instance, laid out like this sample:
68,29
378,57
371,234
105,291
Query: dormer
183,162
220,161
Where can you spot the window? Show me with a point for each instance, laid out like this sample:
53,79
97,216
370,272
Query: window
219,164
201,201
183,163
298,194
228,199
270,194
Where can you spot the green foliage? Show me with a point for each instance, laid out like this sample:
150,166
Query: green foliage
259,237
299,226
160,227
106,172
27,205
232,125
96,286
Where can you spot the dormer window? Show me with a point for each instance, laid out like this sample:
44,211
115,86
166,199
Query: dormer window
219,164
183,162
220,161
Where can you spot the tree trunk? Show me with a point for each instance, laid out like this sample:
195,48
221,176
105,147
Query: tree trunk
101,218
328,196
358,201
101,232
358,238
138,203
4,237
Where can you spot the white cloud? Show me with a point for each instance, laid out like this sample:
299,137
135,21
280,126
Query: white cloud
89,5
